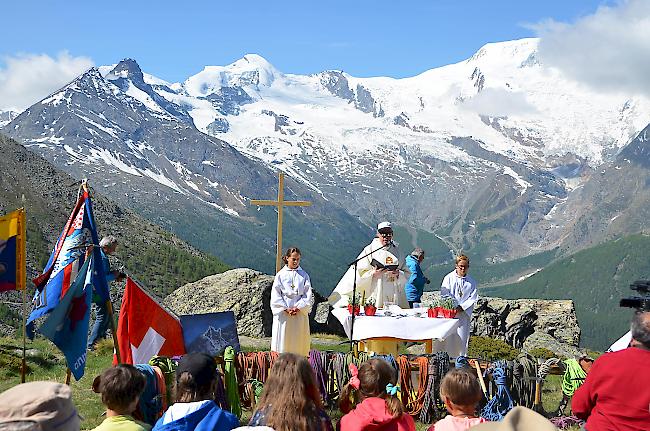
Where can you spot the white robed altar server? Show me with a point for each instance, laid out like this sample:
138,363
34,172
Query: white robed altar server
462,288
291,298
380,284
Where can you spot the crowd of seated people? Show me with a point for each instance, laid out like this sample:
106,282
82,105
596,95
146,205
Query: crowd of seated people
614,396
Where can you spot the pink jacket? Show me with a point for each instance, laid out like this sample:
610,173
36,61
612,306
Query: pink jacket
451,423
371,415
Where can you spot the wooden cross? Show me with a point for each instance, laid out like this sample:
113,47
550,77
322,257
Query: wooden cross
280,203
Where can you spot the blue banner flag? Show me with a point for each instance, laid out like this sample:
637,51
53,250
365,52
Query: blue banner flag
67,325
67,257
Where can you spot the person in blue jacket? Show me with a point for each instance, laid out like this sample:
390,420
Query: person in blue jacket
415,284
195,409
107,246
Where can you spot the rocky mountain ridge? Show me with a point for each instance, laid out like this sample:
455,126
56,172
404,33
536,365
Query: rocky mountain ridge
491,155
163,168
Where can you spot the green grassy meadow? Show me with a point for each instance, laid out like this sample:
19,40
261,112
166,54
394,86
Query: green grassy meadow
45,362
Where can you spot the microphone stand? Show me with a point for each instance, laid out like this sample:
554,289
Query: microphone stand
354,289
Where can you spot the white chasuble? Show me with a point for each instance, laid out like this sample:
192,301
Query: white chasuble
291,288
387,288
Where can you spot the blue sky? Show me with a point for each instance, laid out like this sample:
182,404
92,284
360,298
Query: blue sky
174,40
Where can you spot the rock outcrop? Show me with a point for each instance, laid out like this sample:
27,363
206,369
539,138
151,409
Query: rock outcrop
526,323
244,291
522,323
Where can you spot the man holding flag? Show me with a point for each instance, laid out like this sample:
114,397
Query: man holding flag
107,246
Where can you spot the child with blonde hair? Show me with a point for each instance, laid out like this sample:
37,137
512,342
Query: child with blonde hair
370,400
461,394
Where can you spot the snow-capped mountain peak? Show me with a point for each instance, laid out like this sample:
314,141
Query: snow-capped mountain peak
7,116
510,136
251,71
127,68
512,52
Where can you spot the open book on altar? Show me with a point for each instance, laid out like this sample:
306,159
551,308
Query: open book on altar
385,260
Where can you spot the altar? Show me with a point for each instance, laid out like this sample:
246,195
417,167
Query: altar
397,324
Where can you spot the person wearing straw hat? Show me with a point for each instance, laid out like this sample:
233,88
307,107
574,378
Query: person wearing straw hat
518,419
38,406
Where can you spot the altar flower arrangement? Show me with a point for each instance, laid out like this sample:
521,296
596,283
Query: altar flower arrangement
448,308
433,308
357,304
369,307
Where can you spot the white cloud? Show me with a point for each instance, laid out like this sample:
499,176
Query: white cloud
608,50
498,102
27,78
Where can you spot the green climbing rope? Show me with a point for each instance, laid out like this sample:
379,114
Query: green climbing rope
232,392
573,377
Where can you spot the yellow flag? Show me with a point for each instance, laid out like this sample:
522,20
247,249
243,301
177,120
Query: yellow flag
12,251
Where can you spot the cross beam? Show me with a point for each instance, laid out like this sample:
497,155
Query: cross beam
280,203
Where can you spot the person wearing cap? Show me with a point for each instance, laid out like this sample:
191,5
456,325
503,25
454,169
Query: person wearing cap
384,286
381,284
616,393
462,288
195,409
107,246
415,285
42,406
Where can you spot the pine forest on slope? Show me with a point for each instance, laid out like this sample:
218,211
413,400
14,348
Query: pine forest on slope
595,279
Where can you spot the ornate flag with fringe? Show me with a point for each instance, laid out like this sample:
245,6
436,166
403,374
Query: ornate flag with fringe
67,257
67,325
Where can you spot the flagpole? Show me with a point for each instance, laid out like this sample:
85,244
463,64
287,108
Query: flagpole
22,285
116,345
68,373
23,368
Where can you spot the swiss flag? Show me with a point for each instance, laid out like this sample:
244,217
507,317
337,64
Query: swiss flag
145,329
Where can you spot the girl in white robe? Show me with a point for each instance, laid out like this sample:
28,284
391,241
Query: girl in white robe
291,298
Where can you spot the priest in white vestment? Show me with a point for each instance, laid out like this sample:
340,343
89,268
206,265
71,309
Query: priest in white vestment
462,288
291,299
383,285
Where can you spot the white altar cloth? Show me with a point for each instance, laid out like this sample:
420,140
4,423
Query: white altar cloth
403,324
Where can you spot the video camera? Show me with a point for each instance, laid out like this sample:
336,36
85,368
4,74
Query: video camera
641,303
